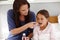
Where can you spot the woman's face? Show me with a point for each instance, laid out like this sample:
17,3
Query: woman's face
24,10
42,20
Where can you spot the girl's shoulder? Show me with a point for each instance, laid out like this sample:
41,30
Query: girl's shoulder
54,28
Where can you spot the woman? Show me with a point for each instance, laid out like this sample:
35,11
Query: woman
20,20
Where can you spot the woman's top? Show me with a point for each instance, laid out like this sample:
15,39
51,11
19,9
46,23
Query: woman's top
12,25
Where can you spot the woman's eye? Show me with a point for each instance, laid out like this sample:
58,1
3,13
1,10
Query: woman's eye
23,10
41,18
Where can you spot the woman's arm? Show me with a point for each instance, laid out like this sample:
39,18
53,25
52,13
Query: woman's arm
22,28
18,30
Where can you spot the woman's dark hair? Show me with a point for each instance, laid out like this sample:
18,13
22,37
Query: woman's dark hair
44,12
16,5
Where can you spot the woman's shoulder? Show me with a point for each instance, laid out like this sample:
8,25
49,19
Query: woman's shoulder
32,16
32,13
10,12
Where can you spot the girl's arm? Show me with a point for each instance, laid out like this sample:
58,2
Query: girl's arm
35,34
55,33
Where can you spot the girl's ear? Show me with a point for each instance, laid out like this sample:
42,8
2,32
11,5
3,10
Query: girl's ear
48,19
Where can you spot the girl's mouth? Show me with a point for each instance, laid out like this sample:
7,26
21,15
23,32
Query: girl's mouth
40,23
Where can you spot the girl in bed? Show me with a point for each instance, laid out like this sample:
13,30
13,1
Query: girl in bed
45,30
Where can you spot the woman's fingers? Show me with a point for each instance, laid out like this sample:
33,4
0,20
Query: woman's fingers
32,24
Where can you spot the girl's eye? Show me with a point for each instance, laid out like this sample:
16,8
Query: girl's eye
37,18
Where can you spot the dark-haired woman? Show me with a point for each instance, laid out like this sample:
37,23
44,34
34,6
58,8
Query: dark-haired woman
20,20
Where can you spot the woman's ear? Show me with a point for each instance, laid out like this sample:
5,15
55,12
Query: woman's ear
36,18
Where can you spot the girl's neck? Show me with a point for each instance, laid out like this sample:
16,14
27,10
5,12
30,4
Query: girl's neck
42,28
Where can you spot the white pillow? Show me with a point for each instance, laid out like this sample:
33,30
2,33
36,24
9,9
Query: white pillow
59,19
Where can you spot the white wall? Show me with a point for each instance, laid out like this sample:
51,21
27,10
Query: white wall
53,8
1,35
3,22
38,1
30,1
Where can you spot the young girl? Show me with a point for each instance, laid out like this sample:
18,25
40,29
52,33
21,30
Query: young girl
45,30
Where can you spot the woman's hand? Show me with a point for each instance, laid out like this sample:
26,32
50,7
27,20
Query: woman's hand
32,24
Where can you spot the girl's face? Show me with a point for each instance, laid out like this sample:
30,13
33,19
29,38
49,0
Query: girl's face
42,20
24,10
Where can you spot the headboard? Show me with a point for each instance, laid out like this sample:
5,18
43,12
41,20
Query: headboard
53,19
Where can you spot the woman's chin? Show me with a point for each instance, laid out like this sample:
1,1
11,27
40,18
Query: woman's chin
25,14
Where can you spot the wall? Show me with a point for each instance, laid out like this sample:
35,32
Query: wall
53,8
38,1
